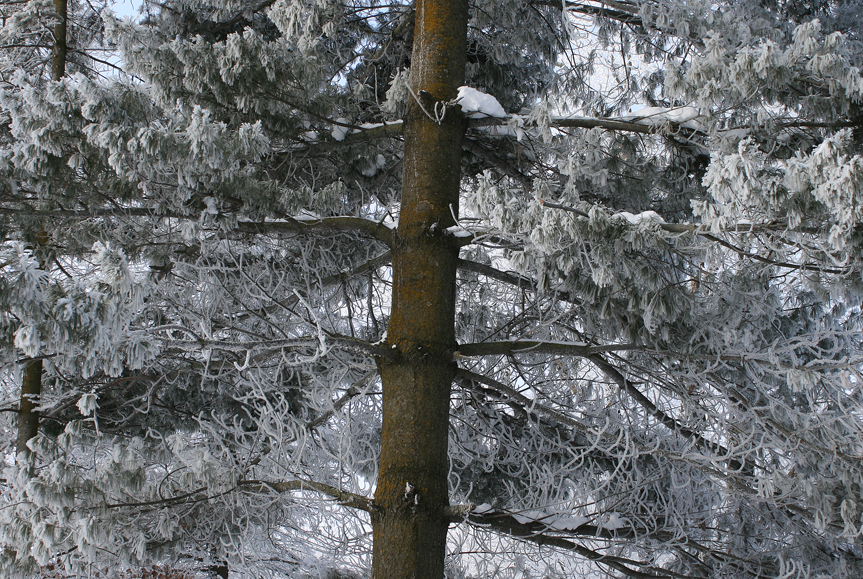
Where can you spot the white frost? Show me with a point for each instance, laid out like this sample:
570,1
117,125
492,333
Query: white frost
478,105
87,404
375,164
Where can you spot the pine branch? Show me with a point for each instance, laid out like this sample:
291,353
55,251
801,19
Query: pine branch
373,229
346,342
533,532
515,279
508,348
531,406
669,422
345,498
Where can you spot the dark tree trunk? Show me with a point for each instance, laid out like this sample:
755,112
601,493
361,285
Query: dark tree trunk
28,413
410,526
58,56
31,382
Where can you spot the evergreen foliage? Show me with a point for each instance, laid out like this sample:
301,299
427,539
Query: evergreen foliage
657,309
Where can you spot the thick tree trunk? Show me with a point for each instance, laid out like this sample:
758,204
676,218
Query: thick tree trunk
410,526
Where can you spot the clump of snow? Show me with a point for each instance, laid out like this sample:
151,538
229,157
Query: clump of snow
636,219
367,126
735,133
459,231
373,167
655,116
567,523
530,517
482,509
478,105
340,131
614,522
306,216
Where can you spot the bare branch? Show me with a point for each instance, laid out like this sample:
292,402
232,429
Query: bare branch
507,348
373,229
345,498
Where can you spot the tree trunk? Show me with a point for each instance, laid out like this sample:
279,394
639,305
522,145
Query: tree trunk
31,382
410,526
58,56
28,413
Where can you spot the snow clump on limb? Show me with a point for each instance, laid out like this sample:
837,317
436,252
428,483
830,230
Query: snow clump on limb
478,105
657,116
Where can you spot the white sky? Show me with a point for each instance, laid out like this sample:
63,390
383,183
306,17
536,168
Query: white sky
126,8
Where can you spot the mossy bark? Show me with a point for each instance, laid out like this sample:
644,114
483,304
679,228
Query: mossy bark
410,525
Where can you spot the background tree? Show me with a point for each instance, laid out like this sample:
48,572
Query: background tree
281,249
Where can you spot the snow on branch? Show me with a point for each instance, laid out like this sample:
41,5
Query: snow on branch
479,105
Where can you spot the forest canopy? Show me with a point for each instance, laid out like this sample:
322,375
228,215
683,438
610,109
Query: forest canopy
443,288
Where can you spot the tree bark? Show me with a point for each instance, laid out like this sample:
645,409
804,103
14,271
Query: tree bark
58,56
410,524
28,413
31,381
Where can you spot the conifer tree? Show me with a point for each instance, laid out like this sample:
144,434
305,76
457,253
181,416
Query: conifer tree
442,289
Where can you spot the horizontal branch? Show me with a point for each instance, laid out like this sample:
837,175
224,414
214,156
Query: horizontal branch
373,229
507,348
345,498
745,254
669,422
345,342
511,278
699,230
89,213
534,533
529,405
